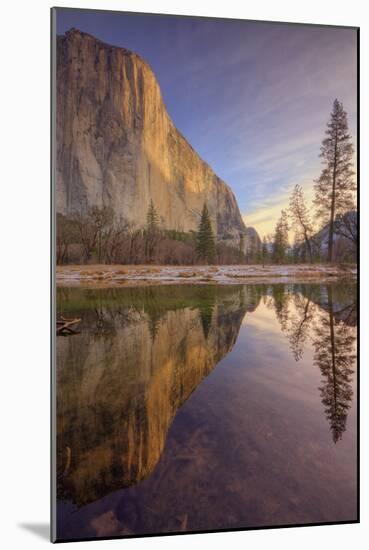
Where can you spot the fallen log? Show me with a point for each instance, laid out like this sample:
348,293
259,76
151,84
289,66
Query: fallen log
64,325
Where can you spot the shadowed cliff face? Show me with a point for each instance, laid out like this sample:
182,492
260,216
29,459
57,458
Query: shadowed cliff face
121,380
117,146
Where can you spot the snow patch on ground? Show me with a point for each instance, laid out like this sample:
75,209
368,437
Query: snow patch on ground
116,275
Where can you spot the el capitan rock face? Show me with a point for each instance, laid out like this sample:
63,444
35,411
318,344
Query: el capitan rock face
117,146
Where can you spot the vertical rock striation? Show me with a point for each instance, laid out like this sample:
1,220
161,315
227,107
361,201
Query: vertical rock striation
117,146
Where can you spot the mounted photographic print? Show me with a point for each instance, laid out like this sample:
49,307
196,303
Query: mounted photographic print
205,247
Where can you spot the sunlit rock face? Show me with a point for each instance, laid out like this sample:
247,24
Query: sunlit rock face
121,381
117,146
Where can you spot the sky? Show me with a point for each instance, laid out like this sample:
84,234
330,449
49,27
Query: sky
252,98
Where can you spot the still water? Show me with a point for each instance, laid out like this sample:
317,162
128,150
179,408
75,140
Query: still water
184,408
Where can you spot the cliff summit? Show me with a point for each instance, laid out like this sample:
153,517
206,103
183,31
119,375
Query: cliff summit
117,145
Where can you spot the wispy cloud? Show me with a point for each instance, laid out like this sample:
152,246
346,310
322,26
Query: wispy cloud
252,98
268,209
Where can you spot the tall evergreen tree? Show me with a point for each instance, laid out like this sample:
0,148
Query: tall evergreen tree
205,241
280,243
334,190
252,248
264,251
152,219
241,248
152,232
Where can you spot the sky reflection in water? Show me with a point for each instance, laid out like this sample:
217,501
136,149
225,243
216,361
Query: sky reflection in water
197,408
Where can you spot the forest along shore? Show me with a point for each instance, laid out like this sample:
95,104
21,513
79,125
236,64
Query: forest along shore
133,275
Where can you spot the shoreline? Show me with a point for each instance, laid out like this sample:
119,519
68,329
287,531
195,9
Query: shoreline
98,276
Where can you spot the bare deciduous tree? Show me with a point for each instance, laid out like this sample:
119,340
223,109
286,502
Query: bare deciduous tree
65,236
346,226
301,220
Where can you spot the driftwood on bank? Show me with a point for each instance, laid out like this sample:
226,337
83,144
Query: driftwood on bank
64,325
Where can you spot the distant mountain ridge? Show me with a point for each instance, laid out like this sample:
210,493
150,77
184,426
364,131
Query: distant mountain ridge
117,145
344,238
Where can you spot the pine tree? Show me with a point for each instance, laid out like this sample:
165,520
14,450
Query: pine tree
205,241
152,232
152,219
280,243
334,190
252,249
301,219
241,248
264,251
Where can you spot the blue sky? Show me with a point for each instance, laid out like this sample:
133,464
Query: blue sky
252,98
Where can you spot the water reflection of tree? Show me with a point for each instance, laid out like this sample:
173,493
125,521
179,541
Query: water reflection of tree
310,312
293,308
301,321
281,298
334,354
206,309
153,310
255,294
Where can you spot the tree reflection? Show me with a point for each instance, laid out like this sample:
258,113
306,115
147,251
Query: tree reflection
206,309
294,312
301,321
281,299
322,314
334,354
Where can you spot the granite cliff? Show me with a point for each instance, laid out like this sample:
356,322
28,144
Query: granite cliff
117,145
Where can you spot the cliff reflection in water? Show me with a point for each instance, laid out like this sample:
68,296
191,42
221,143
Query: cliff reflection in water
140,355
142,352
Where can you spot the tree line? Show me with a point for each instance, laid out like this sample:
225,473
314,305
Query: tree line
98,236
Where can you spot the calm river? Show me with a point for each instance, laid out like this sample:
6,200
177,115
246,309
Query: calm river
185,408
